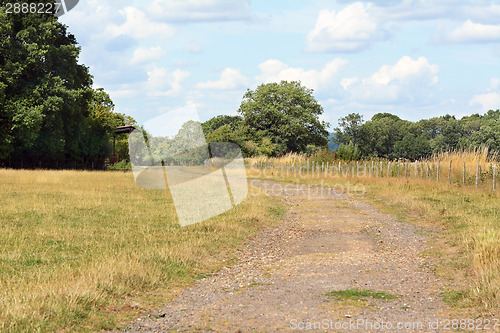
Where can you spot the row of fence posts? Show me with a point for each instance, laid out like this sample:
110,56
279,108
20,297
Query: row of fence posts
314,168
40,165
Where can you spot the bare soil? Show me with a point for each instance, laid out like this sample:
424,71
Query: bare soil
325,243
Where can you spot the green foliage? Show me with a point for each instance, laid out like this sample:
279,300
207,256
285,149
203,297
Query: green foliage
348,152
285,113
312,149
322,156
123,165
349,129
357,294
267,147
49,114
232,122
250,148
388,136
412,147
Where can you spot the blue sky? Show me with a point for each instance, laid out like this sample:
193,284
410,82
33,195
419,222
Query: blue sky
414,58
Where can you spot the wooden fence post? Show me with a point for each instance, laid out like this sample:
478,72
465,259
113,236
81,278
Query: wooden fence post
449,174
428,173
388,169
464,174
477,175
438,172
416,169
494,176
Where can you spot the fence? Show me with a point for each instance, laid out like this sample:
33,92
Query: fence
468,173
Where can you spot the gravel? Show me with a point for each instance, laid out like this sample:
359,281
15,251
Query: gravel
325,243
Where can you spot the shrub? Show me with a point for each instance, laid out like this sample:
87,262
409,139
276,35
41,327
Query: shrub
349,152
122,165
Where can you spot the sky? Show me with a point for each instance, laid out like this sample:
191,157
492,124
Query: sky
413,58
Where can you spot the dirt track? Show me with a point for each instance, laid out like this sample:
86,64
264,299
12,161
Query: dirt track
325,243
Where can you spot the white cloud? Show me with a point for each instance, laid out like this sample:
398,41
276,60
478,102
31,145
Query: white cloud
351,29
163,83
139,26
200,10
470,32
408,81
275,71
489,100
229,79
193,47
494,83
145,55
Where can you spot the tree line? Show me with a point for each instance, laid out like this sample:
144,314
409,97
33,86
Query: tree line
279,118
387,136
49,114
51,117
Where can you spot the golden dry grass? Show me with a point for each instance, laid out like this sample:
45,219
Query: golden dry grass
78,248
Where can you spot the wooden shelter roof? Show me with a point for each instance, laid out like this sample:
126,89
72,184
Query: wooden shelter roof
124,129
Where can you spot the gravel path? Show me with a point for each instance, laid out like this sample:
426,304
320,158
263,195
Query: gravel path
325,243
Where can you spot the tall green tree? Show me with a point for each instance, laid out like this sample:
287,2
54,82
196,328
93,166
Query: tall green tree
348,130
47,106
286,114
233,122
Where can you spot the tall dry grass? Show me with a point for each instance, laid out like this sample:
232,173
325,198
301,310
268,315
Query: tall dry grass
77,249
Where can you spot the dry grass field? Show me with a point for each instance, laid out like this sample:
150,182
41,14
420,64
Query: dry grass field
82,251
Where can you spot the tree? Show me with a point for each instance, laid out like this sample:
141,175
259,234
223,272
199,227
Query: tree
348,130
47,105
378,136
287,114
412,147
348,152
234,122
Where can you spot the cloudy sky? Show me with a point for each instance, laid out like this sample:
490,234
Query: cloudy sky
414,58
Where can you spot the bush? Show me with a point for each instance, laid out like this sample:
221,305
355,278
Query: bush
312,149
267,147
323,156
349,152
123,165
250,149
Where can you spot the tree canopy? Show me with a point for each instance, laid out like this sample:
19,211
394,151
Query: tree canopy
386,135
285,113
49,113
